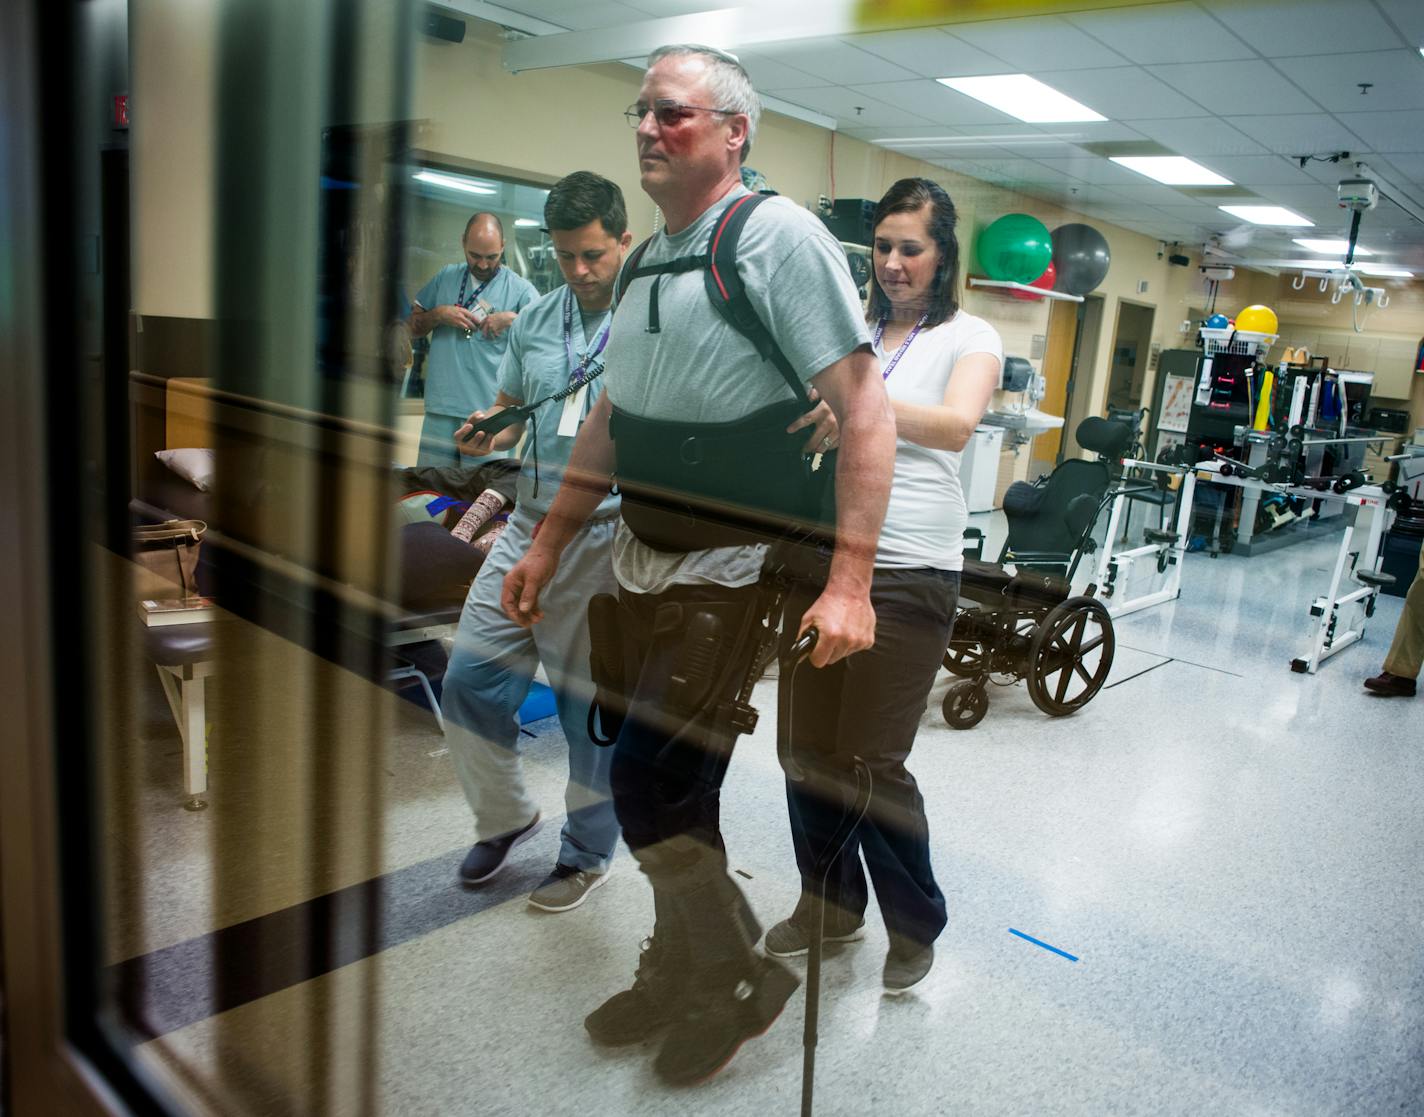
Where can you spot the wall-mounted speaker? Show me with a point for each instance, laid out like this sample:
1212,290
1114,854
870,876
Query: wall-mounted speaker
440,26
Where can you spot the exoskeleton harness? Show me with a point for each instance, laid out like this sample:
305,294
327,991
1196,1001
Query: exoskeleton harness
690,486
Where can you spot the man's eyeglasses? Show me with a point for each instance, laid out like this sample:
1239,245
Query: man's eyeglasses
666,112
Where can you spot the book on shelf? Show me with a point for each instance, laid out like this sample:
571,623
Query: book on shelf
177,610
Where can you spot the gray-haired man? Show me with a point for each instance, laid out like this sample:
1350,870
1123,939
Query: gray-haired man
674,365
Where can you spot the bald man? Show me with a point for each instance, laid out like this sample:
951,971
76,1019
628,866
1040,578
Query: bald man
467,309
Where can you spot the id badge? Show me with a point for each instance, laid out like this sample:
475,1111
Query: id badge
573,413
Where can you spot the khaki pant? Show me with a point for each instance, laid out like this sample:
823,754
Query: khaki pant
1406,654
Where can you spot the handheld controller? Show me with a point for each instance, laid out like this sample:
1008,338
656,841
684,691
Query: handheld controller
493,424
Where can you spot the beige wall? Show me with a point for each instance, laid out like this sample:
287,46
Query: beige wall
173,62
549,122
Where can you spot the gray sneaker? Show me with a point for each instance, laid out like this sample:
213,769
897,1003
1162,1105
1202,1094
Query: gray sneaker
565,888
906,967
788,939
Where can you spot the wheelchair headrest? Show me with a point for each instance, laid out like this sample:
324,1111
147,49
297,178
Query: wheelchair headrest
1105,437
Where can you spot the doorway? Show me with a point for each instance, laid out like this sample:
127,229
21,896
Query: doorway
1058,357
1127,370
1078,396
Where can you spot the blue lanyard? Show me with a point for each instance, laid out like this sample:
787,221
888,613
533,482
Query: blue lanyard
904,345
578,367
474,298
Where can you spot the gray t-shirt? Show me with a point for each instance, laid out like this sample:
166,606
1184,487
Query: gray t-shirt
699,369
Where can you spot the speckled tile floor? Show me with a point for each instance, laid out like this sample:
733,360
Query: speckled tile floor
1231,851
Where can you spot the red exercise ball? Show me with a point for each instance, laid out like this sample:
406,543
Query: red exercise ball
1043,282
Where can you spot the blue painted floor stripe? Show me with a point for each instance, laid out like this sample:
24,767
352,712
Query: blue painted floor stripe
1036,942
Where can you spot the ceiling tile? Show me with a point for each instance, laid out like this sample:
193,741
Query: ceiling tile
1150,193
1297,134
769,75
1408,16
1023,170
1387,131
1044,43
1257,170
932,101
833,60
843,105
1198,136
579,16
928,53
1282,28
1408,167
1122,93
1299,196
1229,88
1396,77
1094,168
1163,33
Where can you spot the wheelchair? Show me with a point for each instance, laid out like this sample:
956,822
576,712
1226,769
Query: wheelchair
1017,618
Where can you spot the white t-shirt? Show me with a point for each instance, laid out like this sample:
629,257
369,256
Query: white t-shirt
926,517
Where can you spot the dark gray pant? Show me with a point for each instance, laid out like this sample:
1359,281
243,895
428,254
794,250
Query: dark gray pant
870,706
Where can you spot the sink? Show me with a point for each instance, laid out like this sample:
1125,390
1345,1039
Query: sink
1030,422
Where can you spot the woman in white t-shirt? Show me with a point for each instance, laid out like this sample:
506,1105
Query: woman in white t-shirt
941,366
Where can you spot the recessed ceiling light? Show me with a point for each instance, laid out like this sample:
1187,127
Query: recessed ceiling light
525,223
1389,273
453,182
1267,215
1023,97
1326,245
1174,170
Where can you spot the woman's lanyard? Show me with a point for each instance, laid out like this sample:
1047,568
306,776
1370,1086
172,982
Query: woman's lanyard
904,345
578,367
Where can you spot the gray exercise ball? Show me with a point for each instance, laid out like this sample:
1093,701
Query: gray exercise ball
1080,253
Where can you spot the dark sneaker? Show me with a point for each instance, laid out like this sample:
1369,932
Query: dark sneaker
788,939
644,1010
485,859
565,888
905,967
1391,686
703,1042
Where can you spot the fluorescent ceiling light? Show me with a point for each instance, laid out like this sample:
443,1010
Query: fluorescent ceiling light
454,182
1326,245
1023,97
1267,215
980,141
525,223
1389,273
1174,170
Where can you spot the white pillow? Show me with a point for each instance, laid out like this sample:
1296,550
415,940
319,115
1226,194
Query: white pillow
193,465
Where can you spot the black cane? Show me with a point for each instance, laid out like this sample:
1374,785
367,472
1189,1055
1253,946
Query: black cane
849,821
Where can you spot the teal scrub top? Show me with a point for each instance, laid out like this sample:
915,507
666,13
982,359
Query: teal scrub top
536,365
461,373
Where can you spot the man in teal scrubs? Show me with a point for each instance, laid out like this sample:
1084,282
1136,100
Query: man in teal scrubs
467,309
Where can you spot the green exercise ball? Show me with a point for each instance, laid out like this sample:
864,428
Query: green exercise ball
1016,247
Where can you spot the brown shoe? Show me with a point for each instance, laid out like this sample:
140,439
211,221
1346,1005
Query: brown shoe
1391,686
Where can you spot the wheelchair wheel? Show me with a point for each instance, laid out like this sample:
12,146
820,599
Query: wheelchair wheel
1071,655
966,658
965,704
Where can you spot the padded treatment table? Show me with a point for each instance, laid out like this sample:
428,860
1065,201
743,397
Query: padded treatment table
185,656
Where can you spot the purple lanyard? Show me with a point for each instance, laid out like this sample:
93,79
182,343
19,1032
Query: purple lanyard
474,298
579,368
904,345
